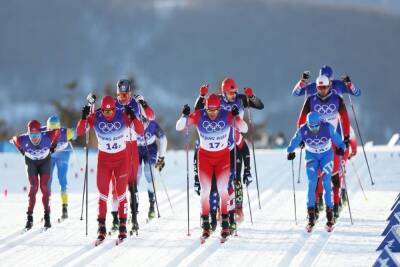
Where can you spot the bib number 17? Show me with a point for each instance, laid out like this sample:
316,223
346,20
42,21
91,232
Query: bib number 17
214,145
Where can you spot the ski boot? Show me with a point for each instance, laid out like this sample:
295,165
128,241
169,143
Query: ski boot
343,196
151,213
115,222
122,230
135,224
64,211
213,223
29,222
320,202
206,228
101,232
47,223
330,221
316,212
336,211
311,219
225,232
239,214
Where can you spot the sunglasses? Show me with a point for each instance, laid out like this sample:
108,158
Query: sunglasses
323,87
212,110
108,112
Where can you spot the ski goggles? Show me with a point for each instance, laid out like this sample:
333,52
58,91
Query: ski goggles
35,135
314,128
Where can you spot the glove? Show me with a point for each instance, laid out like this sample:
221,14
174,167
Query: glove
346,79
302,145
248,92
141,101
346,141
186,110
291,155
247,179
203,89
53,148
22,151
235,110
339,151
85,112
306,75
197,186
352,154
129,112
160,164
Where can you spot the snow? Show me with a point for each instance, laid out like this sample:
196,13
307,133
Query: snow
273,239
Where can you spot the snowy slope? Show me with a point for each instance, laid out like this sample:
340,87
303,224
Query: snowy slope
273,240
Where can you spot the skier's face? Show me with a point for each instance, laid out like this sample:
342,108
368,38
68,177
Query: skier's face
35,137
323,90
212,113
230,96
124,97
108,113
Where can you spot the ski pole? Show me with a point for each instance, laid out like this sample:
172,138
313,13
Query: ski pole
83,193
75,155
301,156
358,178
165,189
345,185
254,154
361,139
91,98
151,169
294,194
187,176
248,198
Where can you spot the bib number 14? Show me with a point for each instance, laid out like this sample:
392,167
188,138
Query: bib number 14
113,146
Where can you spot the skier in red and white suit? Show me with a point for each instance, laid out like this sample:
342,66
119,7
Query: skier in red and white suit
110,125
213,126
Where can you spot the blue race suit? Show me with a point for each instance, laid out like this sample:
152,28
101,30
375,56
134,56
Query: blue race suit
319,155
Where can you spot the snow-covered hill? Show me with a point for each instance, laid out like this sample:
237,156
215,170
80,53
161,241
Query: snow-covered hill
272,240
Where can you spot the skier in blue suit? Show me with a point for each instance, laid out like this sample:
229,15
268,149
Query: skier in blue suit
317,137
60,158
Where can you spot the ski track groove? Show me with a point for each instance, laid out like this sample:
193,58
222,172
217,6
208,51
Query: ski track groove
192,256
32,235
94,252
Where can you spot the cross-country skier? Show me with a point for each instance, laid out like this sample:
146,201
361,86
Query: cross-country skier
340,87
110,125
60,158
230,97
36,146
141,109
331,108
317,136
213,124
148,150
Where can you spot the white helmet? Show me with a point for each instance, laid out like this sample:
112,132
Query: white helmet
322,80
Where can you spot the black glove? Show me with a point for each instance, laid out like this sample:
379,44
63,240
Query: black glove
186,110
346,79
306,75
302,145
235,110
346,141
291,155
129,112
339,151
160,163
53,148
247,179
22,151
197,186
85,112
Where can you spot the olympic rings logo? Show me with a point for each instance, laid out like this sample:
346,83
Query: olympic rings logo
316,142
37,152
213,126
325,109
109,126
